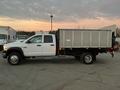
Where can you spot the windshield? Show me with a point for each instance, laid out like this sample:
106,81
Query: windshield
3,36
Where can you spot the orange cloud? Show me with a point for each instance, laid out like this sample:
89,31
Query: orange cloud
34,25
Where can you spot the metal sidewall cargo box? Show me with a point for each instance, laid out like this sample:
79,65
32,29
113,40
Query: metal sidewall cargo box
85,38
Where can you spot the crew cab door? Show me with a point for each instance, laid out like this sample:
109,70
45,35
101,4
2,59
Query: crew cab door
34,46
49,45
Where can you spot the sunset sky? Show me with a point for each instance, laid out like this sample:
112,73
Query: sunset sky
34,15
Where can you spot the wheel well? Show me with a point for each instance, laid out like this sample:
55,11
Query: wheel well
18,50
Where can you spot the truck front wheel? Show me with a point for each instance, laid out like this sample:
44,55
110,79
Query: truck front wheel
87,58
14,58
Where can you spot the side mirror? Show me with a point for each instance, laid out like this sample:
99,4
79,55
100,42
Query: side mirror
28,42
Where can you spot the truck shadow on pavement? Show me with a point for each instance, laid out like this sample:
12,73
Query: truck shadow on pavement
51,61
60,61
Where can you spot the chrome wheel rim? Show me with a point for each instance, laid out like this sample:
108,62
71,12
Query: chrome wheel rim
14,59
88,59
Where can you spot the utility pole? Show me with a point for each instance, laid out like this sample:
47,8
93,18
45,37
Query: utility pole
51,18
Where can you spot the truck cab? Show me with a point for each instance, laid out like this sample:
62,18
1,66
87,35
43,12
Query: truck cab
35,46
40,45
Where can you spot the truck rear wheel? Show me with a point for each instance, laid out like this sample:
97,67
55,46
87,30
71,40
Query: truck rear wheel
87,58
14,58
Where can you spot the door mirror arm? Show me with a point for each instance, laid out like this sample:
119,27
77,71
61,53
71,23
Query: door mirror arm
28,42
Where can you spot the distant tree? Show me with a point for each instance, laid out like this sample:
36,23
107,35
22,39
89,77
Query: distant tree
52,32
25,33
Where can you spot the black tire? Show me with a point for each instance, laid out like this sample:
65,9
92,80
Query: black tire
88,58
14,58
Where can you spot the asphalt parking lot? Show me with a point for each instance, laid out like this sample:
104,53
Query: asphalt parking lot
64,73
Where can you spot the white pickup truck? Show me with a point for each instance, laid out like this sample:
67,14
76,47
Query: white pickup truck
83,44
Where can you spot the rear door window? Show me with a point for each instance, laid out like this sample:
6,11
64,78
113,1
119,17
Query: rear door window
48,39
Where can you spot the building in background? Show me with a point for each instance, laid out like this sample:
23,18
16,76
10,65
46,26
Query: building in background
7,34
22,35
42,32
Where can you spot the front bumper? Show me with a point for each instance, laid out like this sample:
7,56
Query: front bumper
4,54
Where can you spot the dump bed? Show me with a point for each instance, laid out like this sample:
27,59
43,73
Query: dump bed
85,38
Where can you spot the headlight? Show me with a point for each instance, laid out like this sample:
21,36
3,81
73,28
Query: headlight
5,48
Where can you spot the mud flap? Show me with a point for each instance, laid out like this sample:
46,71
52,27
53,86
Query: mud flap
111,51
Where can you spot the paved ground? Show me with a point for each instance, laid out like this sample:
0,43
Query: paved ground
62,74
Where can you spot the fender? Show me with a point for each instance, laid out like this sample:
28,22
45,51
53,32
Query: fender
14,49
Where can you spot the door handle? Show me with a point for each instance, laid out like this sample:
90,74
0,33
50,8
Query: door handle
39,45
24,47
52,45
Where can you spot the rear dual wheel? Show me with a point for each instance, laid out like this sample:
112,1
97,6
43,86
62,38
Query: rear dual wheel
88,58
